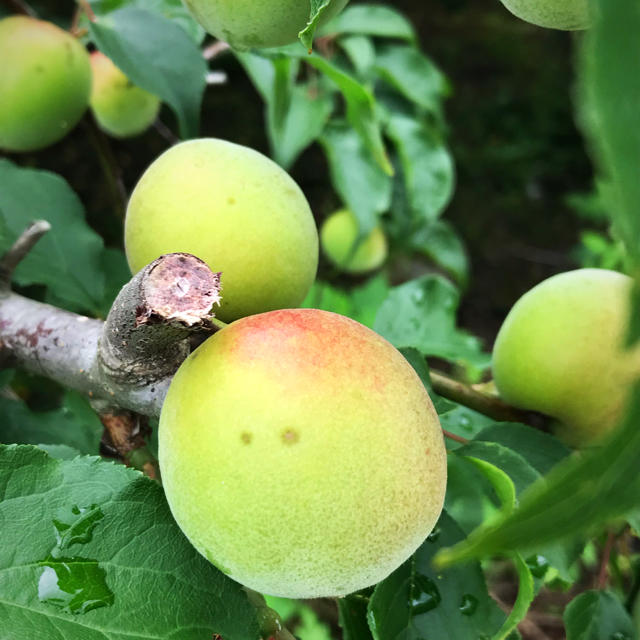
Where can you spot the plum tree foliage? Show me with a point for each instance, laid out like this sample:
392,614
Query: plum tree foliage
45,80
236,210
301,454
257,23
120,108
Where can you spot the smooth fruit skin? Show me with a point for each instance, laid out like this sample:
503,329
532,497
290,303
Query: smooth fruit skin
301,454
235,209
45,80
121,109
337,237
568,15
257,23
560,352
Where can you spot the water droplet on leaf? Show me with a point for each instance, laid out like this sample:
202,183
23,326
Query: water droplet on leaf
468,604
434,535
538,565
425,595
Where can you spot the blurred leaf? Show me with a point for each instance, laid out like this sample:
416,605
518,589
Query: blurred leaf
371,20
296,114
416,601
598,615
427,166
362,185
60,451
101,540
523,601
157,55
299,618
579,494
610,88
75,424
318,8
353,618
421,314
67,258
413,75
117,274
174,10
442,245
360,51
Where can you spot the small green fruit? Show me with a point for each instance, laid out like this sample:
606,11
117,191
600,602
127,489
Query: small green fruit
120,108
235,209
568,15
301,454
338,236
45,80
560,352
246,24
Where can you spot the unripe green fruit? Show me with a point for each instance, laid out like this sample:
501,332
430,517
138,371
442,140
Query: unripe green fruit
560,351
235,209
257,23
301,454
120,108
45,80
338,236
569,15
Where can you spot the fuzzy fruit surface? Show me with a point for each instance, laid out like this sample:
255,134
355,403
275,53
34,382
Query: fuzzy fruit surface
301,454
560,352
337,237
45,80
235,209
120,108
568,15
257,23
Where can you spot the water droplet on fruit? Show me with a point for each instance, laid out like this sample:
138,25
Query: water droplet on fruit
425,596
75,585
468,604
538,565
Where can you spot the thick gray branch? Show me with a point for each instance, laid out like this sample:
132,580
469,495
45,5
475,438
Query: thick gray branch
152,319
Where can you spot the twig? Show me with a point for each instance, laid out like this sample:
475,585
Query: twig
21,7
165,132
21,247
603,573
487,404
453,436
86,7
215,49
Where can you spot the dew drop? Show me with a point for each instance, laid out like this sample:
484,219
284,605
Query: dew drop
417,295
425,596
538,565
434,535
468,604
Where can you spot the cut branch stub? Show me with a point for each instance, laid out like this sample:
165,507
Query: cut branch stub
145,335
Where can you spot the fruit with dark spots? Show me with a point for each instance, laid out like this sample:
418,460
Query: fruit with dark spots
336,490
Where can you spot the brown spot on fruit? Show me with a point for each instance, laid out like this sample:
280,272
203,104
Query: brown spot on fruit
290,436
246,437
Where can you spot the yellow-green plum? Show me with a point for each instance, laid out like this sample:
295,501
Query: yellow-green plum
235,209
45,80
569,15
257,23
338,235
301,454
561,351
121,108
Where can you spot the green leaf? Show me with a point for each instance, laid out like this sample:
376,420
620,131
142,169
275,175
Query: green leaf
299,618
100,540
296,114
60,451
363,186
67,258
371,20
353,618
75,424
421,314
427,167
416,601
610,87
174,10
443,246
525,597
318,8
579,494
598,615
360,51
413,75
157,55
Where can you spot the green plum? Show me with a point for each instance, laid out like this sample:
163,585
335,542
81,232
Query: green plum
338,236
235,209
246,24
569,15
45,81
301,454
560,351
120,108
